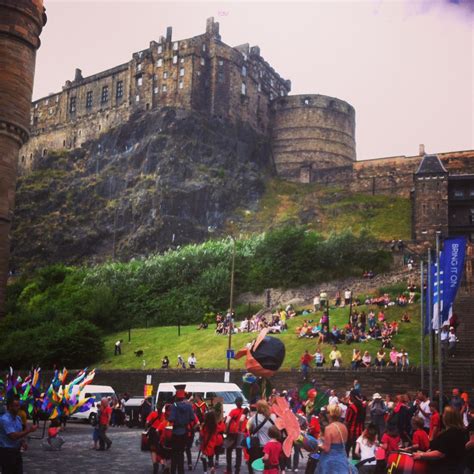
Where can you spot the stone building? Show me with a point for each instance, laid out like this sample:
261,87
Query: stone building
21,23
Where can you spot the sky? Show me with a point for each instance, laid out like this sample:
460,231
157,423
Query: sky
406,66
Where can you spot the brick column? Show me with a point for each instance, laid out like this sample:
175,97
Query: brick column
21,22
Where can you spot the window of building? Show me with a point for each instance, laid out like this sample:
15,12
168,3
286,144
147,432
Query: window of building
306,101
245,56
159,63
89,100
164,88
72,105
271,82
271,96
244,71
175,46
105,94
79,132
181,60
139,81
165,75
423,209
175,59
119,90
204,47
160,49
51,111
203,61
139,67
36,105
137,98
471,192
221,62
181,72
140,54
243,89
259,87
181,84
220,76
458,193
46,102
156,90
282,92
57,99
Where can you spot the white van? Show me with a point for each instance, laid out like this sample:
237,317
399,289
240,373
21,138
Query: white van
97,392
208,390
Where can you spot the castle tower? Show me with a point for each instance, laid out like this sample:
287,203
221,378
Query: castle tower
430,199
311,133
21,22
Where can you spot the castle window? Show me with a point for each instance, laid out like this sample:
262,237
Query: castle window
181,84
46,102
137,98
89,100
282,93
181,60
175,46
79,132
139,67
160,49
165,75
140,54
220,76
51,110
271,96
36,105
105,94
181,72
203,61
245,56
119,90
306,101
243,89
244,71
164,88
64,143
259,87
159,63
271,82
458,193
156,90
423,209
471,193
72,105
139,81
57,99
175,59
204,47
221,62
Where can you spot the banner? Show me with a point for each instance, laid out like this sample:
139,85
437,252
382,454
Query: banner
437,294
454,251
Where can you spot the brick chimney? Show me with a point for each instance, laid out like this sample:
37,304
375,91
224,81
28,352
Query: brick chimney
421,149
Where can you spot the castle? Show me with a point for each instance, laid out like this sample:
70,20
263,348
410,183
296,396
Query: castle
312,136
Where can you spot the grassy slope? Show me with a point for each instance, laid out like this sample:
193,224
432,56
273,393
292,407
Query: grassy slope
328,209
210,349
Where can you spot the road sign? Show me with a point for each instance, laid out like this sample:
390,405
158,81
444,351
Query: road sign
226,377
148,391
148,379
230,353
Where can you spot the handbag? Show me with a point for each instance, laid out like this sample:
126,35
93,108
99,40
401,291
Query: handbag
254,439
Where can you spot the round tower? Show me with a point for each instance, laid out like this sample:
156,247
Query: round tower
311,133
21,22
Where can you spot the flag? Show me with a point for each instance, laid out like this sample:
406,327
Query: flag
438,295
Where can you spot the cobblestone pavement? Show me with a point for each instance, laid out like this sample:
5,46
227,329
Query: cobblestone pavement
78,457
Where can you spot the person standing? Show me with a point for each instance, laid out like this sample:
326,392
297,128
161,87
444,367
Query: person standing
316,303
234,428
192,361
181,416
118,347
378,411
12,436
306,359
355,420
104,422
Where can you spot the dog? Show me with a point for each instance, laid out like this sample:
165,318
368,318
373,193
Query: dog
138,353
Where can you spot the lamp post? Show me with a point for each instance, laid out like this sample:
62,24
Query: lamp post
440,321
231,303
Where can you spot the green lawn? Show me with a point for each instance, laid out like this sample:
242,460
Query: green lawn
210,349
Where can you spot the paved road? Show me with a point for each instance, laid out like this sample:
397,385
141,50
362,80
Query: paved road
78,457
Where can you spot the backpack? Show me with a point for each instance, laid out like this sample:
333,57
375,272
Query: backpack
378,408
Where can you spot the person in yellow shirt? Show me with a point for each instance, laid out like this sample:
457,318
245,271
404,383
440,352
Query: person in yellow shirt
335,357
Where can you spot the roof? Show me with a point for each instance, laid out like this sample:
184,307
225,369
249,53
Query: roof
431,164
200,387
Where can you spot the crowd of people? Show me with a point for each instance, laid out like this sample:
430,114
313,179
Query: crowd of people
350,433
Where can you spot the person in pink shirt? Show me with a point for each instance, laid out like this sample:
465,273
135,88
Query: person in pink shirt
393,357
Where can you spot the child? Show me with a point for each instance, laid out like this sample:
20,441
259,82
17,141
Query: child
272,452
54,441
420,441
365,448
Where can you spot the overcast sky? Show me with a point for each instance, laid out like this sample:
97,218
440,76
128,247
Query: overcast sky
407,68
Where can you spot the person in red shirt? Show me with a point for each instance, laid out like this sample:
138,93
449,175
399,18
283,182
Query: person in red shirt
314,428
234,427
435,421
211,439
272,452
390,440
153,422
104,421
420,440
354,420
306,359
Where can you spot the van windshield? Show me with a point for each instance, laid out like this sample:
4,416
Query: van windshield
229,397
98,396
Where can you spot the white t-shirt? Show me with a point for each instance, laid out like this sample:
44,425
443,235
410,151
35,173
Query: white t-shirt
316,300
425,406
366,451
343,408
333,400
262,433
347,295
452,337
192,360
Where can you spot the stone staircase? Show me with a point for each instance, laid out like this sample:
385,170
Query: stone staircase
459,371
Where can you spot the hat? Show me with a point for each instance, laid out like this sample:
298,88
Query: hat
180,391
446,323
376,396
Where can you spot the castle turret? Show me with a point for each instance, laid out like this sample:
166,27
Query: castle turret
310,133
21,22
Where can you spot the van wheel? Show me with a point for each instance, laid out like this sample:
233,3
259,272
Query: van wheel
93,419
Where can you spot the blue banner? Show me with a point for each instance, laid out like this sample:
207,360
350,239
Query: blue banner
431,278
454,251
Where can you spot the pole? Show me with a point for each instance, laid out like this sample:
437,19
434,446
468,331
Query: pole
430,327
327,310
350,309
179,327
440,318
129,333
422,335
231,298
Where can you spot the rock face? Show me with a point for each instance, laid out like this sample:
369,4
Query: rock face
164,178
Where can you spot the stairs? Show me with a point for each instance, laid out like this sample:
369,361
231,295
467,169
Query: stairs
459,371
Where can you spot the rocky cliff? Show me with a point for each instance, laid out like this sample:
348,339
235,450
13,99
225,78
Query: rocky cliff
162,179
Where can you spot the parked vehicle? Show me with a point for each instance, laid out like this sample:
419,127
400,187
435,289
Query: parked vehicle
97,392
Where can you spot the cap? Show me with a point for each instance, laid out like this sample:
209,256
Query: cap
376,396
180,390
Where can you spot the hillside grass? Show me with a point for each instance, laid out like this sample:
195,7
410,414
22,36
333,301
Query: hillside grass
328,209
210,349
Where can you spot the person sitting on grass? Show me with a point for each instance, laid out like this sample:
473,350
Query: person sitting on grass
366,359
405,318
356,359
380,358
335,357
393,357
